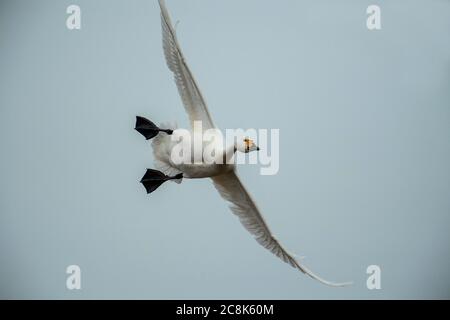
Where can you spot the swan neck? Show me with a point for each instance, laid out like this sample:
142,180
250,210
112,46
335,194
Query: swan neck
229,153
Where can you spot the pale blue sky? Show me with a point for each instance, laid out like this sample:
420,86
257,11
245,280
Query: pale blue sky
364,166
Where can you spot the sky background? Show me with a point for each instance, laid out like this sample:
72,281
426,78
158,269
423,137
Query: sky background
364,149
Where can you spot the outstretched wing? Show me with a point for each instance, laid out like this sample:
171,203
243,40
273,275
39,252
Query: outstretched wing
191,96
242,205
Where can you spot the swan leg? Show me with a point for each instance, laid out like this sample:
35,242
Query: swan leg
152,179
148,129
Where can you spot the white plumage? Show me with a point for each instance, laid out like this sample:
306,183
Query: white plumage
224,176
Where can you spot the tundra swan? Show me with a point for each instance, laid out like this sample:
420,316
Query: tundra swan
223,175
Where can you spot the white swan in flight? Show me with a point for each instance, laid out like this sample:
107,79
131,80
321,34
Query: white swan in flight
224,175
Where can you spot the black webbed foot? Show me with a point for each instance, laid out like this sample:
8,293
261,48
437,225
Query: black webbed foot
152,179
148,129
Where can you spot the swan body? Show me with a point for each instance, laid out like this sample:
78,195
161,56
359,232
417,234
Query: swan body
163,147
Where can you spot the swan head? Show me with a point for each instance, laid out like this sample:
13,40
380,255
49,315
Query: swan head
246,145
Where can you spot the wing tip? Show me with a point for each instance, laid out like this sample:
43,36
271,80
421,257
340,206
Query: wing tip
321,280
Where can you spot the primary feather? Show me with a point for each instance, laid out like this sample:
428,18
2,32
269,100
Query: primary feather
191,96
